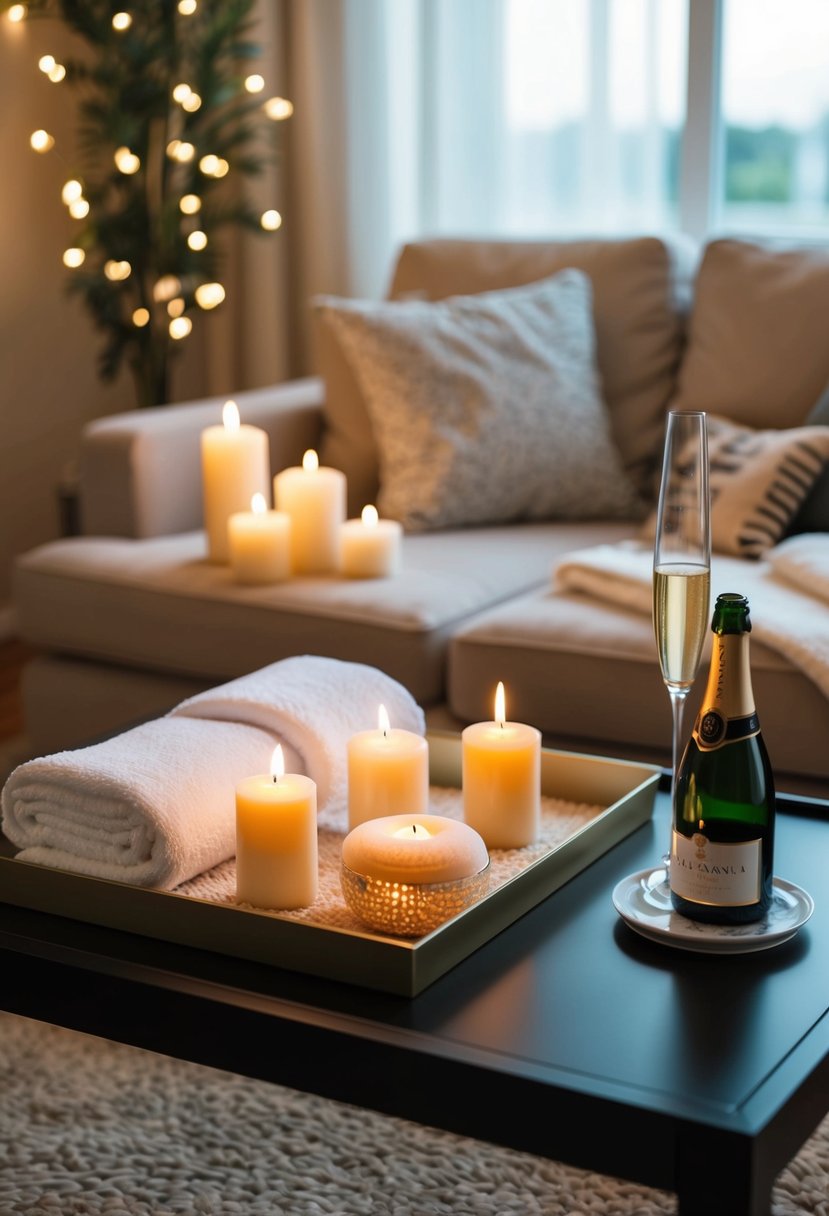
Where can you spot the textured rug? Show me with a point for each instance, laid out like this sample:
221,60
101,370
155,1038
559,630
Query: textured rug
89,1128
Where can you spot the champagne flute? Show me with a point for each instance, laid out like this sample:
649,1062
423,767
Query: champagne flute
682,565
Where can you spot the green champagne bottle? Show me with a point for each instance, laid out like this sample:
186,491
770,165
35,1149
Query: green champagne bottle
722,845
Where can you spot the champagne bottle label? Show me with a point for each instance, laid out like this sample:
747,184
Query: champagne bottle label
712,729
721,875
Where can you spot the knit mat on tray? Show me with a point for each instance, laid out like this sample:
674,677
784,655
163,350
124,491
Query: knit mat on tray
559,821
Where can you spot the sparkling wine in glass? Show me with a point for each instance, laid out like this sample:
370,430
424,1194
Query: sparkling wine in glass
682,564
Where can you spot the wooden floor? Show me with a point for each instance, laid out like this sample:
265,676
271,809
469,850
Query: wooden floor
13,655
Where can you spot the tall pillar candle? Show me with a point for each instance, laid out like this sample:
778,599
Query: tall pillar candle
501,764
235,465
388,773
277,862
314,497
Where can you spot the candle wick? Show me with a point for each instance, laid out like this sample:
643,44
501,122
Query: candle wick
414,828
275,779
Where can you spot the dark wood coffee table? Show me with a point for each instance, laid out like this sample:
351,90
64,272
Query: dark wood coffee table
567,1035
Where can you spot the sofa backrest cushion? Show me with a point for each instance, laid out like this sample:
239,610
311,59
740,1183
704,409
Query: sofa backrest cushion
757,343
641,293
486,408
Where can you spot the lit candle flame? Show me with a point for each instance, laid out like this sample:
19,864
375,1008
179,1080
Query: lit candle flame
383,723
258,504
370,516
500,704
310,461
277,763
230,416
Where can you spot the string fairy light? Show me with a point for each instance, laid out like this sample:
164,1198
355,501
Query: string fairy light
74,257
79,209
126,161
121,21
190,204
254,83
180,327
278,108
117,271
141,317
187,7
209,295
197,240
271,220
17,13
71,192
41,141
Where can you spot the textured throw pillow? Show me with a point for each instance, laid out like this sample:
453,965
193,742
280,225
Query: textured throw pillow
758,481
813,516
486,408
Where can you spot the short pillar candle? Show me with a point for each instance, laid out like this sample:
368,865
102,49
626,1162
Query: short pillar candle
501,765
259,541
370,546
314,497
235,463
277,863
388,773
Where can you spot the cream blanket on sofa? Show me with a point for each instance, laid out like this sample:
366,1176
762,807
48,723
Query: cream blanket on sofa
788,593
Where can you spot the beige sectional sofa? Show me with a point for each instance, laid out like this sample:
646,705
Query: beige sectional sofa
129,617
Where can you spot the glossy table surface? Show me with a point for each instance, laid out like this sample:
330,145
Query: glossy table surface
566,1035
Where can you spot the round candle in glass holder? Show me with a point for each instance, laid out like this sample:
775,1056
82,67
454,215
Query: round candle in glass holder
407,874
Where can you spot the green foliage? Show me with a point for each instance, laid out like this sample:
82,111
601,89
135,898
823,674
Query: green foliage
759,165
123,82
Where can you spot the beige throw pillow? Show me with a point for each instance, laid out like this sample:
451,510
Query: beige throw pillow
486,408
758,481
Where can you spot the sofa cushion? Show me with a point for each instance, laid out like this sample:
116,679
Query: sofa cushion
813,515
586,674
757,350
759,479
641,292
158,604
486,408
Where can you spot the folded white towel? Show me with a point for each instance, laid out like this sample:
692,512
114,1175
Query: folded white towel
155,805
782,614
803,561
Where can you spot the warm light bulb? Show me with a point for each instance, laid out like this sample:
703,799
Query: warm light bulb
184,152
73,258
16,13
187,7
213,166
277,763
46,63
57,73
500,705
190,204
230,416
369,516
141,317
181,92
278,108
79,209
310,461
258,504
71,192
191,103
254,83
166,287
209,295
271,220
180,327
121,21
176,307
197,240
41,140
126,162
383,723
116,271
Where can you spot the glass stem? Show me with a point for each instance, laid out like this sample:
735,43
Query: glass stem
677,696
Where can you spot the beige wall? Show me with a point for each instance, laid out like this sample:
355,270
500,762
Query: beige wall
49,385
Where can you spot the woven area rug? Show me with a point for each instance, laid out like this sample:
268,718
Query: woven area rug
89,1128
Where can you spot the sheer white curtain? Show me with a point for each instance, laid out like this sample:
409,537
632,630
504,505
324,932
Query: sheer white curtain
479,117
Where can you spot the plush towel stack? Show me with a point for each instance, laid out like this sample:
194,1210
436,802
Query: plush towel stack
155,806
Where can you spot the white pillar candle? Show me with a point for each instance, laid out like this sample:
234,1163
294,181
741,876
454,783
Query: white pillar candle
501,765
370,547
235,466
259,541
314,498
276,839
415,849
388,773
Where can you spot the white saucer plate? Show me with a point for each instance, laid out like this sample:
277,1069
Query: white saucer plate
643,901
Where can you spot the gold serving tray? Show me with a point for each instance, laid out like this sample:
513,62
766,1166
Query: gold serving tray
387,964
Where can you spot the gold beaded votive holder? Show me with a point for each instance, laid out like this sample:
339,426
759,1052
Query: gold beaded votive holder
409,909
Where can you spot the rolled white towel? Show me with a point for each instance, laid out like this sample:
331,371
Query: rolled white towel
155,805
